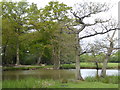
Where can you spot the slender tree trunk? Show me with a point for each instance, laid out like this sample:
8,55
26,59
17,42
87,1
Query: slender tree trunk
4,56
97,74
103,72
39,60
17,54
78,72
59,57
97,68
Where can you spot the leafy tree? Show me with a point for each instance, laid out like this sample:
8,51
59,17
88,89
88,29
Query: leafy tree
56,12
38,43
16,14
8,42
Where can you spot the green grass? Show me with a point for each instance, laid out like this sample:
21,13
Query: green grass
84,84
47,83
113,65
1,84
107,79
28,83
89,66
22,68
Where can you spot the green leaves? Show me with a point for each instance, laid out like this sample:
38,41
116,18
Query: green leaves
37,30
55,11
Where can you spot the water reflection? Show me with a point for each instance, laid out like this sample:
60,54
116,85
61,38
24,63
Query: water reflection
52,74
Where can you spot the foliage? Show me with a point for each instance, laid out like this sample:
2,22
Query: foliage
37,31
55,11
8,42
115,57
14,20
91,58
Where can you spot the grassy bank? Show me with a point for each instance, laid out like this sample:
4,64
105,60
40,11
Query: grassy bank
63,66
26,67
39,83
89,66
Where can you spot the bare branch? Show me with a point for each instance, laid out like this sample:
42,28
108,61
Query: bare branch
116,48
80,20
97,21
85,10
85,52
72,31
97,33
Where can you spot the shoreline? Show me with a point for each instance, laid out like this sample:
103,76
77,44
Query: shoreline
45,68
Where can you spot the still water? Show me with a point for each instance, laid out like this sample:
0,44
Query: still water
52,74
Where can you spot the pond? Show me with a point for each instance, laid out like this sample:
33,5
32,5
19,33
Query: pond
52,74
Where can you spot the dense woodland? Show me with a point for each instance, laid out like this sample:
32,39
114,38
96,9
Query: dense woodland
34,36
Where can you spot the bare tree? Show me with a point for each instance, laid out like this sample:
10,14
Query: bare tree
95,51
84,11
109,44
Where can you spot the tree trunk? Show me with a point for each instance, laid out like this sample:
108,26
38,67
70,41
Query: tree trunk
17,55
4,56
56,63
56,59
39,60
78,72
97,68
103,72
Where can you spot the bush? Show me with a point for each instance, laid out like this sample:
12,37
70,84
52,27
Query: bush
67,66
